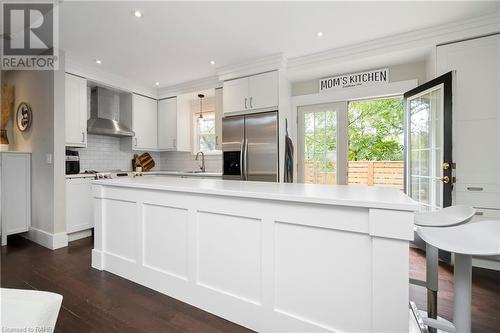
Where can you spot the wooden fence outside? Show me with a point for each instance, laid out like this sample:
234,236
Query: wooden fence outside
371,173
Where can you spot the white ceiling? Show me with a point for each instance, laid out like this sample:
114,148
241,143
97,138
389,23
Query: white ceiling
175,41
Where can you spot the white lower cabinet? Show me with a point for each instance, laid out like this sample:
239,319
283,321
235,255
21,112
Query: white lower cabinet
79,212
15,178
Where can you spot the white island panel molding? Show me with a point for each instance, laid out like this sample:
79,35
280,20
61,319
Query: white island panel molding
271,257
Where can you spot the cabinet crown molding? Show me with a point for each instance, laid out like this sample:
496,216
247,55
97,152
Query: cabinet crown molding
268,63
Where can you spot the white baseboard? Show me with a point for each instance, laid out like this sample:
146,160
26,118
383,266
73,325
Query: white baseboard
48,240
79,235
486,263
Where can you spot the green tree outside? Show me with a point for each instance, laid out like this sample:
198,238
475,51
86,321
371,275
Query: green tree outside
376,130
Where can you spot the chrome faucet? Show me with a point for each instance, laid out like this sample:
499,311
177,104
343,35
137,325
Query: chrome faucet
202,166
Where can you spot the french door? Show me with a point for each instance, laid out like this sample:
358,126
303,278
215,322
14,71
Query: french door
428,147
322,144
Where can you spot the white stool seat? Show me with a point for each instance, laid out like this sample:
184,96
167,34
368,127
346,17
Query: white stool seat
30,310
481,238
446,217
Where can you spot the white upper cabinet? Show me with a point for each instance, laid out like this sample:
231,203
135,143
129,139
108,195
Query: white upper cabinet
218,118
144,123
76,111
184,123
167,124
174,124
263,90
251,93
236,95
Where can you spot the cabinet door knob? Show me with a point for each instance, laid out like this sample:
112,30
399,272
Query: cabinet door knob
245,103
135,141
251,106
83,136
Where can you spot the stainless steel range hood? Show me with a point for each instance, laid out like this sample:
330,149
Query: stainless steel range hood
105,114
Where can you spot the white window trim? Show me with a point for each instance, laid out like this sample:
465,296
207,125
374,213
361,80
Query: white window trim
196,147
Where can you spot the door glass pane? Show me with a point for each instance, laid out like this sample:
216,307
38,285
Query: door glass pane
320,144
426,137
376,142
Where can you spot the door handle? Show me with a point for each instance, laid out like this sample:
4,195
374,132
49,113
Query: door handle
251,106
246,103
445,179
216,140
246,159
242,152
83,136
135,141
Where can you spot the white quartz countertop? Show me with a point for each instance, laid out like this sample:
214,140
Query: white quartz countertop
344,195
183,173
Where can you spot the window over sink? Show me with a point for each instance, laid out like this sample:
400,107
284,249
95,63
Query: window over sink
204,133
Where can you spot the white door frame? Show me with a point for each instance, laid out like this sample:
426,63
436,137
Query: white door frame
343,95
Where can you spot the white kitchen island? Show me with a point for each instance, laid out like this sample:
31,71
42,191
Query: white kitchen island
271,257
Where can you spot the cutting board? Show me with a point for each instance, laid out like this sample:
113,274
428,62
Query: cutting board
146,162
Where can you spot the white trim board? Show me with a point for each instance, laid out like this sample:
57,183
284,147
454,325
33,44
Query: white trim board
46,239
486,263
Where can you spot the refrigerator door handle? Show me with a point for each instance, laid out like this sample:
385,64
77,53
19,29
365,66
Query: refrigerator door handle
246,159
242,152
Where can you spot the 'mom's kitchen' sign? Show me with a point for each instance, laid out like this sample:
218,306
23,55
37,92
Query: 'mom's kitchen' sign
378,76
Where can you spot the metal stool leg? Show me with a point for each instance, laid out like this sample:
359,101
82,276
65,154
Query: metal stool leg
462,288
431,256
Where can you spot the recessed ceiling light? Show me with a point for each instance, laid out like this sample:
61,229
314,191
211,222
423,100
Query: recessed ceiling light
97,61
137,13
157,83
212,62
319,34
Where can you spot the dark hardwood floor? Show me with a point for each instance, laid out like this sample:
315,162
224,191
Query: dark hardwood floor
95,301
102,302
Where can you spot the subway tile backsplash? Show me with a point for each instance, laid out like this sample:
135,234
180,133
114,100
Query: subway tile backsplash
184,161
103,153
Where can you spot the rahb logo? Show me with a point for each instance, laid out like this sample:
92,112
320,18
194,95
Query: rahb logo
29,36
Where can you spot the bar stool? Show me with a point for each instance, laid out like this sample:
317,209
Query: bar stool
442,219
481,238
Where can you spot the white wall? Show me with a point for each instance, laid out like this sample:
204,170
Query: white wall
37,89
59,158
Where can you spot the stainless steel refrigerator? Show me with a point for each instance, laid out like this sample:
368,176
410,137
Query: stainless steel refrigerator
250,147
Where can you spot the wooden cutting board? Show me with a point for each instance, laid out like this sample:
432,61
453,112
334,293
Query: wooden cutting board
146,162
